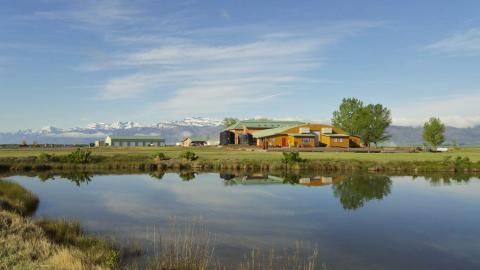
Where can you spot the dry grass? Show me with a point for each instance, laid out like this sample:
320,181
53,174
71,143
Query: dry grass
193,248
45,244
298,259
14,197
26,246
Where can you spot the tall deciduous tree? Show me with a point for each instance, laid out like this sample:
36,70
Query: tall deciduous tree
374,121
348,116
228,121
434,132
370,122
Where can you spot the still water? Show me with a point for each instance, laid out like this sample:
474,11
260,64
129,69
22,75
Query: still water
354,221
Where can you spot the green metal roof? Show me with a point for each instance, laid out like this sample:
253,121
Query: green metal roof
273,131
301,135
197,139
252,123
137,138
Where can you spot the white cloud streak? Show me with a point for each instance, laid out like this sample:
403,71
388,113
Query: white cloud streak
457,110
94,13
214,77
467,42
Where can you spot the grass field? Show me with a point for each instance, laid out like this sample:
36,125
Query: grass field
217,153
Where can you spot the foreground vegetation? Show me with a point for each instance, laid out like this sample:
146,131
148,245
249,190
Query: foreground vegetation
45,243
217,158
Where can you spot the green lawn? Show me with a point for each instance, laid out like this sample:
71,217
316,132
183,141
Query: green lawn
222,153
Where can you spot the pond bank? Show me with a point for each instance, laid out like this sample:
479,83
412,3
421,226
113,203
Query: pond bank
149,164
45,243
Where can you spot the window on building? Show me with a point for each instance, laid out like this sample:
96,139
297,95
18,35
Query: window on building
306,140
341,140
335,140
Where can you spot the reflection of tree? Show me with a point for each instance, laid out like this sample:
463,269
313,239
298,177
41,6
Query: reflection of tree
78,177
187,176
157,174
45,176
290,178
356,190
442,179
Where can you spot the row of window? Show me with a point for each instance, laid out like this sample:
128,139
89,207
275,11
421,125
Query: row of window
136,143
337,139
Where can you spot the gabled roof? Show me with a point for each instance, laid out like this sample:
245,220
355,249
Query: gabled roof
137,138
273,131
252,123
196,139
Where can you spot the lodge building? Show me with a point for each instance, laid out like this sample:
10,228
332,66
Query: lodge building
268,134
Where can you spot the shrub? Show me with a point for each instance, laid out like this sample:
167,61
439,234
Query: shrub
44,157
292,157
80,156
189,155
160,156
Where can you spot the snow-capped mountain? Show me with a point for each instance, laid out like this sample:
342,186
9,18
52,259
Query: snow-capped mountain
172,131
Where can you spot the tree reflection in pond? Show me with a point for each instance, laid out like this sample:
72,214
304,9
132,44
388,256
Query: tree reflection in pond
187,176
356,190
157,174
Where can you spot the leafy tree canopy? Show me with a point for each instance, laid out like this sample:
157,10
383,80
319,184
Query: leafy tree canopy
370,122
228,121
434,132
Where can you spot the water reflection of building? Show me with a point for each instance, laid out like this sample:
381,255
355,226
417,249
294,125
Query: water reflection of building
320,180
258,179
268,179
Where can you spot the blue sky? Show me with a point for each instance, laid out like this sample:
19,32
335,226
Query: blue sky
70,63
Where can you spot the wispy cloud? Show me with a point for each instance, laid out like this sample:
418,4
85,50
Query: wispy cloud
208,75
454,110
94,13
467,42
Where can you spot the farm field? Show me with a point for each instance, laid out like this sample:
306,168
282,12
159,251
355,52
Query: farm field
219,153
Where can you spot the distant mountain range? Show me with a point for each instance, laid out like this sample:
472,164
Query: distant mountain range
174,131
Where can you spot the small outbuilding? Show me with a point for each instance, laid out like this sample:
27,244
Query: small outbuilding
194,141
134,141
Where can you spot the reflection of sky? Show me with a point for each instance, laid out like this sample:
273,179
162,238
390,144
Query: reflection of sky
416,226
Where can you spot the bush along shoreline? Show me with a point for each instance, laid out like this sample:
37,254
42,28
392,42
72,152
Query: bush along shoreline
83,160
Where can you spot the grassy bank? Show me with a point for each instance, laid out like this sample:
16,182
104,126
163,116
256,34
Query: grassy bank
215,158
45,243
220,153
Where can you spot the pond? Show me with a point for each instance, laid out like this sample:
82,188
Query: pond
354,221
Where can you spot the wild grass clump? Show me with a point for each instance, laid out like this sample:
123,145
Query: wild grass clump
15,198
190,249
269,259
70,234
189,155
26,245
